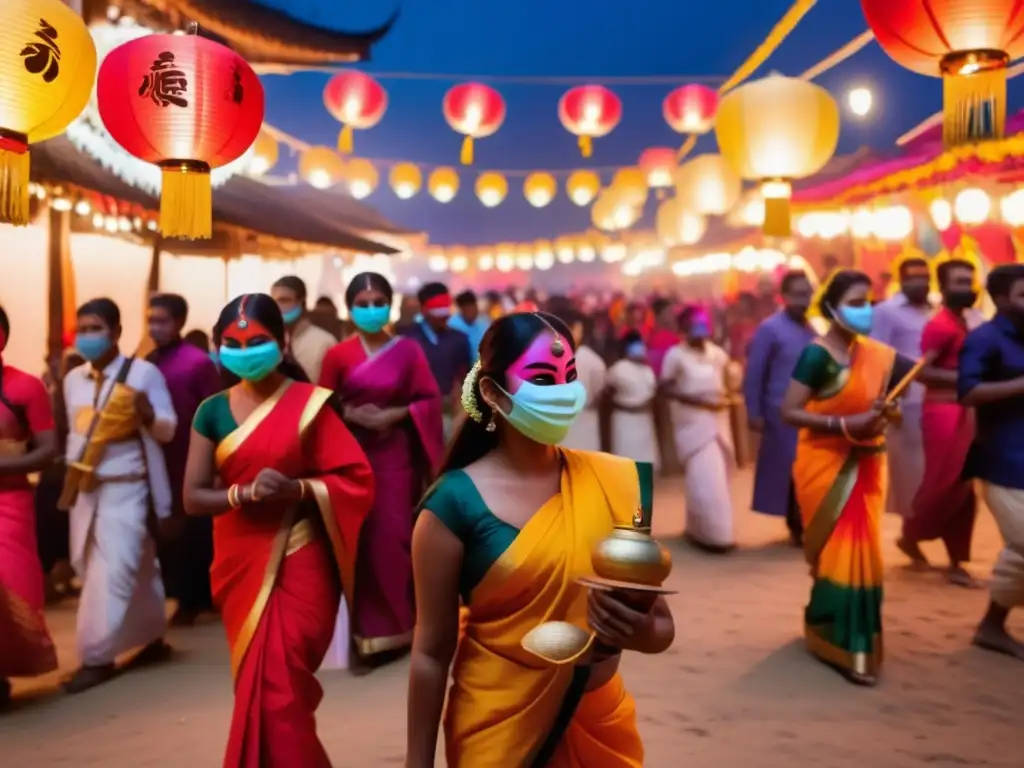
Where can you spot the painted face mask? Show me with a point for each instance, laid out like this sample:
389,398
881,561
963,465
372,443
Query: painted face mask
370,319
857,320
92,346
545,412
292,315
256,355
437,306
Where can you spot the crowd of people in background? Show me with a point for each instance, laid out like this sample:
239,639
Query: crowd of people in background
123,475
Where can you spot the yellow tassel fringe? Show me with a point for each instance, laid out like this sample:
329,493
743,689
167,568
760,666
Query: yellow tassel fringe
186,203
346,144
973,106
586,146
14,197
466,156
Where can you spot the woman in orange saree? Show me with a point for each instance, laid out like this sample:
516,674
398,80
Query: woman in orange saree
27,444
508,528
294,488
837,400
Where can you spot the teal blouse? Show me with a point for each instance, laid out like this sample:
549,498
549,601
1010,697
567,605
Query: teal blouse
213,419
457,503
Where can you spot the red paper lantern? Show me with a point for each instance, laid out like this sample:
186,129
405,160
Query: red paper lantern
474,110
355,100
968,43
589,112
691,109
184,103
658,165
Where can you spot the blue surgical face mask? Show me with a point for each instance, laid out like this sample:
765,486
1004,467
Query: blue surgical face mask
251,363
545,413
292,315
92,346
699,330
856,319
370,319
637,350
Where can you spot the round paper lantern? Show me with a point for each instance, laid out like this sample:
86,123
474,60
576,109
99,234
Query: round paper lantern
361,178
565,250
677,226
631,184
658,165
474,110
585,251
184,103
691,108
543,255
708,185
355,100
405,180
264,154
582,187
443,184
505,257
775,130
321,167
491,188
484,259
458,258
47,68
613,211
589,112
968,43
539,189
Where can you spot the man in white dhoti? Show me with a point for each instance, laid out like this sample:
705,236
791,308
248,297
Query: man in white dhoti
693,377
633,385
116,489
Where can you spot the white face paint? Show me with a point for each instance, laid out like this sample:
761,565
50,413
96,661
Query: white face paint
439,312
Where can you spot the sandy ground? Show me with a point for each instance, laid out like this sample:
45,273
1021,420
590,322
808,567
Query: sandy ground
736,689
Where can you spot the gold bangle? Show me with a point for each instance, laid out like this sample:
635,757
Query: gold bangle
252,492
302,490
849,437
233,496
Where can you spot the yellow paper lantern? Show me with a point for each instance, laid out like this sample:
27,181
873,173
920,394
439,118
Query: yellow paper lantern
458,258
484,259
491,188
675,225
582,187
708,185
565,250
631,183
361,178
539,189
543,255
614,210
585,250
405,180
443,184
47,70
321,167
264,154
505,257
775,130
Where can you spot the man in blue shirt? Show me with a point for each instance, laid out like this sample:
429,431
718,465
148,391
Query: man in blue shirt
991,380
469,320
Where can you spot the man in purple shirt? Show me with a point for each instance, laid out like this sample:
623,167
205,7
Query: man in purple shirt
771,357
899,322
191,375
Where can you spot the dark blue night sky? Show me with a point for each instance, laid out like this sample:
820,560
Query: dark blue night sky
587,39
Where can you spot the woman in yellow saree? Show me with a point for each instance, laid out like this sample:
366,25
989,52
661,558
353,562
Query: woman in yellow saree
508,528
837,399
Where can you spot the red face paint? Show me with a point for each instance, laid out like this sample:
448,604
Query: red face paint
541,364
245,331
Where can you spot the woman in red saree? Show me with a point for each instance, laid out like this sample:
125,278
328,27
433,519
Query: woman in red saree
27,444
393,406
294,488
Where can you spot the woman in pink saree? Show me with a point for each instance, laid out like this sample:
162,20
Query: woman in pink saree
27,444
389,399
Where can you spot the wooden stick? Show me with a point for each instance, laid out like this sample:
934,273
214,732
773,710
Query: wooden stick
906,381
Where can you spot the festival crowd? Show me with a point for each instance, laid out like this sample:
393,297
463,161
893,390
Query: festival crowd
345,493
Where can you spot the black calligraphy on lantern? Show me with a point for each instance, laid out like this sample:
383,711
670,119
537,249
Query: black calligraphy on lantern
43,58
236,92
165,84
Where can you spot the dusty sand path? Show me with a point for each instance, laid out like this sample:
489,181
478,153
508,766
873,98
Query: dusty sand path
736,689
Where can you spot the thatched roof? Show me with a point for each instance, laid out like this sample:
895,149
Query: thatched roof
318,218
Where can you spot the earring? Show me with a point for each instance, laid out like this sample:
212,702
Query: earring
491,426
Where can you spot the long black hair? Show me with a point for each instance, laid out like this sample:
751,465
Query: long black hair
505,341
17,410
264,310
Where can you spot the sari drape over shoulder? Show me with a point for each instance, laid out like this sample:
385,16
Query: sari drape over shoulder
276,567
504,701
26,648
840,489
403,459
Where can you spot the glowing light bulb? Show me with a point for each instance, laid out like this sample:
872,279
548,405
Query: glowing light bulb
860,101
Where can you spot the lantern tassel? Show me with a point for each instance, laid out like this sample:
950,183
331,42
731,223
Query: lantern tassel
777,217
466,155
186,202
346,144
14,178
973,98
586,146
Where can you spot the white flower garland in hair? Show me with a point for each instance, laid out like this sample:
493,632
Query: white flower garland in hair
469,403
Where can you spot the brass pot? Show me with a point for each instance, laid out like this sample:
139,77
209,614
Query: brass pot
631,555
